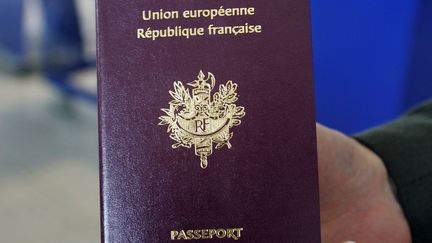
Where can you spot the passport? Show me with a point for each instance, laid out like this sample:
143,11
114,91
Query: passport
206,121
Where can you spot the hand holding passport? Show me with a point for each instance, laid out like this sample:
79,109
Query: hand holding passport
356,199
212,137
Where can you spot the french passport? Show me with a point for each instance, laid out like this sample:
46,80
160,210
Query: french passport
206,121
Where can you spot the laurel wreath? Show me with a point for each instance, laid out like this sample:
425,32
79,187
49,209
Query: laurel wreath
222,106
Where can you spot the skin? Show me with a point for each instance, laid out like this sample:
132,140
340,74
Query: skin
356,200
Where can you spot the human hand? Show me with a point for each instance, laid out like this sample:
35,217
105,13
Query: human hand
356,200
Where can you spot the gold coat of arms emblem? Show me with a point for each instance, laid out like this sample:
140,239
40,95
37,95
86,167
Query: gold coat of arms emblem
197,118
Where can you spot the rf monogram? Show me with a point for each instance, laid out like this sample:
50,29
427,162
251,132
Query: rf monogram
201,125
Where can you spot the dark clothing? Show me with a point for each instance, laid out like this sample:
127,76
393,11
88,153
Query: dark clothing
405,146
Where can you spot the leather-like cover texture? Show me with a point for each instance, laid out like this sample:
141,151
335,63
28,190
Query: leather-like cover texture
266,183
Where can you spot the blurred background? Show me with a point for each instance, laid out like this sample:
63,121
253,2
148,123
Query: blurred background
373,60
49,188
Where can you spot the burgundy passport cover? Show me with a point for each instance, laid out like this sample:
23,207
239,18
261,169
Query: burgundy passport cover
207,134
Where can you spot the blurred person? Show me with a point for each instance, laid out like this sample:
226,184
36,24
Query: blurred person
377,186
50,37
